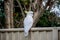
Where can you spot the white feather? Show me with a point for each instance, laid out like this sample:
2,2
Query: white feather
28,22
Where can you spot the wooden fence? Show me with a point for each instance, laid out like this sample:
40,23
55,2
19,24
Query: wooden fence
50,33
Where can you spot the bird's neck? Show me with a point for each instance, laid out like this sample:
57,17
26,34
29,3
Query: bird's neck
29,15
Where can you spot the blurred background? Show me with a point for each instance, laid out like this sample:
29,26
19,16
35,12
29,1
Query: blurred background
50,17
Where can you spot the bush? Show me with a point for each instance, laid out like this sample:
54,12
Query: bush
47,20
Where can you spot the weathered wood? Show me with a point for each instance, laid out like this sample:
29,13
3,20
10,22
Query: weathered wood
18,35
22,29
55,34
59,35
43,35
35,35
22,36
50,33
0,36
7,36
3,36
13,35
10,35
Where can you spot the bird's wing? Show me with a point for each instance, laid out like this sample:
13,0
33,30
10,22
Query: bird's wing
28,22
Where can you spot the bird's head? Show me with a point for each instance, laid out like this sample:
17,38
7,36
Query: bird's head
29,13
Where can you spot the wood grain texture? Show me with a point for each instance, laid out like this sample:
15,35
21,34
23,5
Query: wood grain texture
59,35
49,35
55,34
34,34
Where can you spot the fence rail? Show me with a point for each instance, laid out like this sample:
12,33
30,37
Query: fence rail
45,33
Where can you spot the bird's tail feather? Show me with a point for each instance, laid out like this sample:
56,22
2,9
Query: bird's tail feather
26,31
26,34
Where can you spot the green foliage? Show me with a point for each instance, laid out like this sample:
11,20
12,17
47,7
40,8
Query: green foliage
1,9
2,15
47,20
17,11
58,2
17,17
24,2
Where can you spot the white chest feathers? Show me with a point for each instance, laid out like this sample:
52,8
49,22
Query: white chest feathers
28,22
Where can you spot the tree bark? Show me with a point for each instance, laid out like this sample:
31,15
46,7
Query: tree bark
7,13
40,11
11,14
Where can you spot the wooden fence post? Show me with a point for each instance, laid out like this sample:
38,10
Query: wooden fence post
55,34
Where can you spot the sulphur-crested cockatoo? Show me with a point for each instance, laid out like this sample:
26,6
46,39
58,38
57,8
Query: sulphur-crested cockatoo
28,22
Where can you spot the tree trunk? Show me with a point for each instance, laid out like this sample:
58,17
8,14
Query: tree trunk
11,13
7,13
40,11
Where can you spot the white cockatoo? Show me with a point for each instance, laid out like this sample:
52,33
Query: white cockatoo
28,22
